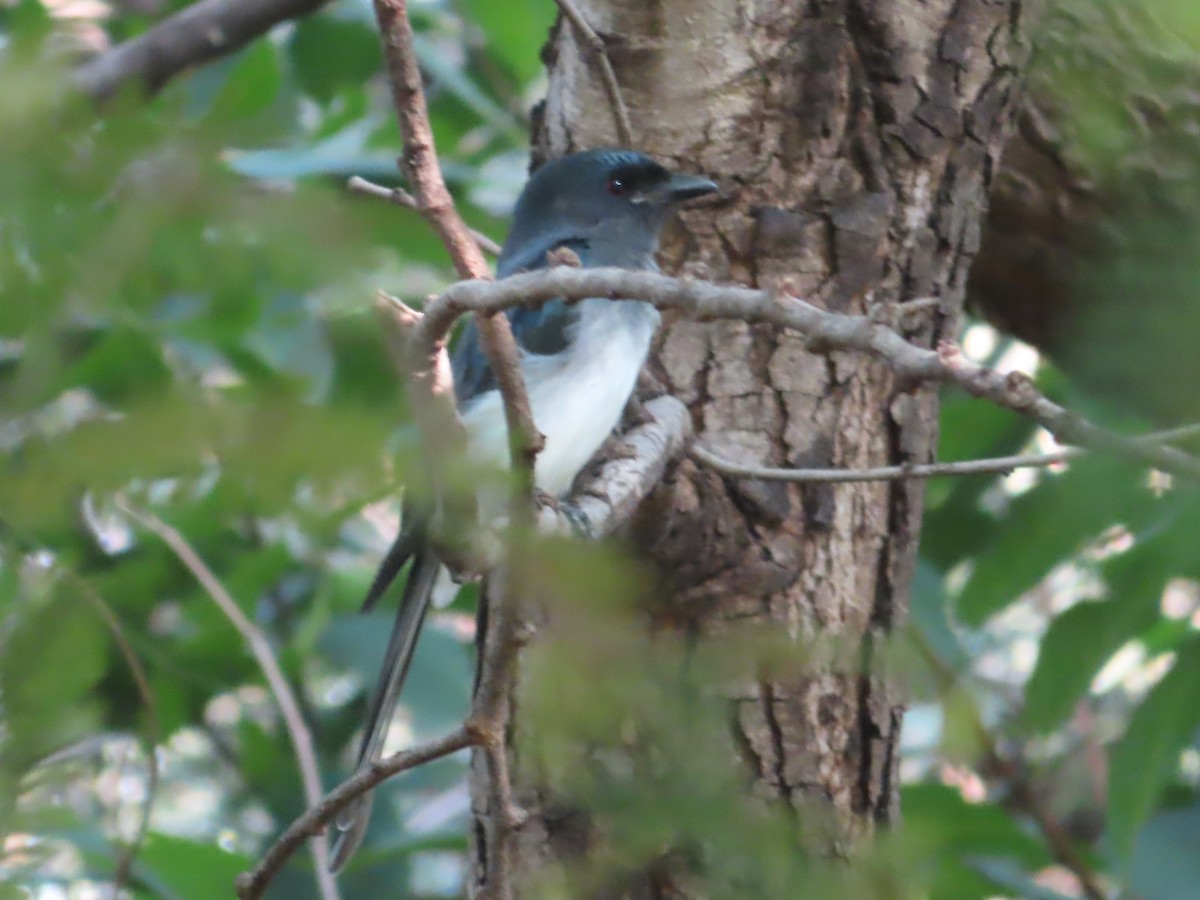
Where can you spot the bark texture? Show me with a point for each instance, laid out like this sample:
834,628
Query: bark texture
854,141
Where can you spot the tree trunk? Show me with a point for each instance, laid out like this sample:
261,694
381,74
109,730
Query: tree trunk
854,141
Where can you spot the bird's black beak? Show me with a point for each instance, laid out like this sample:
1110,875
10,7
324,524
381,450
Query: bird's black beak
681,187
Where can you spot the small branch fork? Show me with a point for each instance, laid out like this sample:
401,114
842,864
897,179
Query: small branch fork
617,488
401,197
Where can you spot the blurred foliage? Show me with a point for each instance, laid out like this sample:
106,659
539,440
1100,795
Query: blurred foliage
185,320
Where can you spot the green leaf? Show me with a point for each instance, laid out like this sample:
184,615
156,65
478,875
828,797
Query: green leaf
1049,525
125,362
252,85
515,32
330,53
1146,759
188,869
50,663
1165,865
342,154
1076,645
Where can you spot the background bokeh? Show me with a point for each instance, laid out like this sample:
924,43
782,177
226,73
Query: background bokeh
186,324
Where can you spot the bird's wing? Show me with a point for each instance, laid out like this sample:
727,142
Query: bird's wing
544,331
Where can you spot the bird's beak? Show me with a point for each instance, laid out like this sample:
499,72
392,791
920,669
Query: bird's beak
681,187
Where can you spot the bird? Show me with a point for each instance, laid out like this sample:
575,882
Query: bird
580,363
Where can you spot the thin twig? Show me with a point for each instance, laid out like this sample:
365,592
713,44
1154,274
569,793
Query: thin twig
419,164
289,707
151,740
825,331
401,197
1000,465
605,501
251,885
1013,773
153,734
595,47
191,37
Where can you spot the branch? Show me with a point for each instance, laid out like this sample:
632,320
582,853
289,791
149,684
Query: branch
1000,465
401,197
152,739
193,36
824,330
153,732
419,163
595,48
1013,773
251,885
605,500
306,757
608,499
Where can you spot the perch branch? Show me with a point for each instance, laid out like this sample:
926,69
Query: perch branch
595,48
401,197
824,331
293,719
193,36
609,498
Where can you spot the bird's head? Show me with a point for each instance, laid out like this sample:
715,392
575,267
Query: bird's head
602,195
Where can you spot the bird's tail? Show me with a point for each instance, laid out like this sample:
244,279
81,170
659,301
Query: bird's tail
414,602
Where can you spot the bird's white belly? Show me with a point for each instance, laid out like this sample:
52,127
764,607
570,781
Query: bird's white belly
576,396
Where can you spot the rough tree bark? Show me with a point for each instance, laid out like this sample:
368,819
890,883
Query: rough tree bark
854,141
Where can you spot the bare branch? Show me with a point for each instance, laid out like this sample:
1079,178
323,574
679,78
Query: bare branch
153,733
1013,772
251,885
401,197
193,36
152,739
608,498
306,757
1001,465
419,164
825,331
595,47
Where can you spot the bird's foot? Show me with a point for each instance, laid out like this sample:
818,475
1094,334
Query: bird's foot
565,509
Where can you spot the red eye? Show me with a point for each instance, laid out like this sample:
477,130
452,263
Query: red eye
616,187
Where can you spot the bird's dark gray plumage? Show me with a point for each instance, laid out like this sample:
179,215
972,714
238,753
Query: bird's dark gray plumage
580,364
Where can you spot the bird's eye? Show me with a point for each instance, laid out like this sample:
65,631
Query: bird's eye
616,187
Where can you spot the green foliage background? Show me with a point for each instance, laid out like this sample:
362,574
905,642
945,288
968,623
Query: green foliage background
185,320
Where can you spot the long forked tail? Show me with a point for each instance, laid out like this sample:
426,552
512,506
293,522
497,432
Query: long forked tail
414,602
